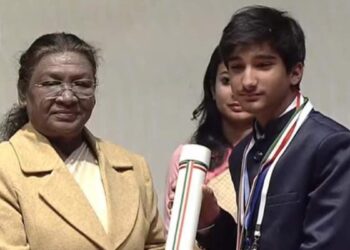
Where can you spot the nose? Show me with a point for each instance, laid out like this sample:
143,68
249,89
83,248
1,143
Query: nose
67,97
249,79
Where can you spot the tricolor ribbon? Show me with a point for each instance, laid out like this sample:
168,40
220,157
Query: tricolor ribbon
248,198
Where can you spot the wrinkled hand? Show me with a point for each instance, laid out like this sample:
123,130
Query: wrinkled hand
210,209
171,196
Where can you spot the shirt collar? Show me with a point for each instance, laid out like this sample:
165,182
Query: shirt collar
275,126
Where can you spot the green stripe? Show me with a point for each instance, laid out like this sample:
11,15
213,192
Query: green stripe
297,111
181,205
194,161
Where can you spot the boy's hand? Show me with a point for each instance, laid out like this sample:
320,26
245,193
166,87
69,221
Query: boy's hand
210,209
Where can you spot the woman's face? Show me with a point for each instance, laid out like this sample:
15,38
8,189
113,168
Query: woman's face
65,114
230,110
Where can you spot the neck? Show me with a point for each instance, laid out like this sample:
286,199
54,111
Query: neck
64,147
273,113
234,133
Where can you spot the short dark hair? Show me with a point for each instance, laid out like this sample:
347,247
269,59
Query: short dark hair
209,132
46,44
259,24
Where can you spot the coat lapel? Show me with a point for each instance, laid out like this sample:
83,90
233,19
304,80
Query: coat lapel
124,204
122,191
60,191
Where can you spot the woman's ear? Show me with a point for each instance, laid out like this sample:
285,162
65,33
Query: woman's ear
296,74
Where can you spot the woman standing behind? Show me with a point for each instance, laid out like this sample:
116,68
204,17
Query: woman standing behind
222,124
60,186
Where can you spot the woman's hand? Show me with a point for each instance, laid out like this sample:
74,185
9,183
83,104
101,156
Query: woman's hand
171,196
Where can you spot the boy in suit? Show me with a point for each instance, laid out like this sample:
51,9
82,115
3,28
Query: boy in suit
292,173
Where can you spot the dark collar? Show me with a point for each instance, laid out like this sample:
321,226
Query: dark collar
273,128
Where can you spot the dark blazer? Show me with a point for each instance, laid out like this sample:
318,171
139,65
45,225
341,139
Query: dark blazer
308,203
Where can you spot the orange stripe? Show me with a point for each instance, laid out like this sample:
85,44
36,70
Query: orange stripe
185,204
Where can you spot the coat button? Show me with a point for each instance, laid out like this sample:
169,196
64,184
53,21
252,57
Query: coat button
258,156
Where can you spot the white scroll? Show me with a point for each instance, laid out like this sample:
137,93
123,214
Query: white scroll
193,165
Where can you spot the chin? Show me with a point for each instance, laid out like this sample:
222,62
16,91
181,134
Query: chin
252,107
67,131
239,117
247,118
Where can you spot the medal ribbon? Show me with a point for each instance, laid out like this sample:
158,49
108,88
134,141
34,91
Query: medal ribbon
248,198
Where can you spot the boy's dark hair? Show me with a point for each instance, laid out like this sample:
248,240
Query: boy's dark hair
259,24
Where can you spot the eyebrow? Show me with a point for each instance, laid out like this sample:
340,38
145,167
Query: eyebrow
259,56
266,56
58,75
223,72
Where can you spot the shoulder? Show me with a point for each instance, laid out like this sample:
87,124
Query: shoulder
176,154
325,124
325,138
8,157
324,131
5,148
10,171
178,149
174,164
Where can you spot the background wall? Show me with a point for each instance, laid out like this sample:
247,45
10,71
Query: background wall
153,57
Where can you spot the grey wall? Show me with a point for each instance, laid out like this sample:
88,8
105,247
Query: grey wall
153,56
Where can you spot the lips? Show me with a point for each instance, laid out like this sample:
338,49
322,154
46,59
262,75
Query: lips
65,115
235,107
64,112
251,97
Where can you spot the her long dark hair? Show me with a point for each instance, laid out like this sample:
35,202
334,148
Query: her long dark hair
209,132
17,116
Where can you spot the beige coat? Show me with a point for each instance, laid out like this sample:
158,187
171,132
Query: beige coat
43,208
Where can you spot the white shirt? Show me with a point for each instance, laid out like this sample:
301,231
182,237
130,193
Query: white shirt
86,171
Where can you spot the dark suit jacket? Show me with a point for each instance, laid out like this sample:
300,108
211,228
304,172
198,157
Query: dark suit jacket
308,203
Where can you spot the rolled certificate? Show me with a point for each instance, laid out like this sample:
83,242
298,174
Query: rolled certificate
193,164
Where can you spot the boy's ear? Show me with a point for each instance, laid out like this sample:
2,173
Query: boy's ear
296,74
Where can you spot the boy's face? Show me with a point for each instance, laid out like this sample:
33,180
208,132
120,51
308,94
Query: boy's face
260,82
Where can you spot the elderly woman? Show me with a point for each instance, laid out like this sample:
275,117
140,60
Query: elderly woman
61,187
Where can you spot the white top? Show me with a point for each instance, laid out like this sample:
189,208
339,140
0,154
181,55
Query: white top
86,171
